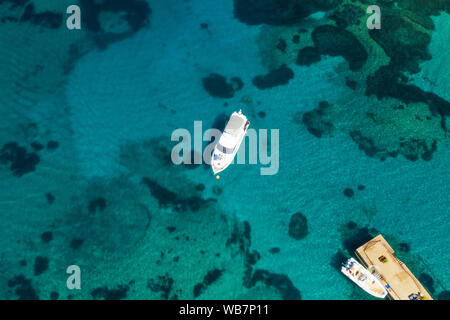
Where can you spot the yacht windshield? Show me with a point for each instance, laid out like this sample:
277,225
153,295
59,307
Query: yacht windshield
224,150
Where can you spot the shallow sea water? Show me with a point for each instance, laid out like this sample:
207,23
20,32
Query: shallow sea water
117,106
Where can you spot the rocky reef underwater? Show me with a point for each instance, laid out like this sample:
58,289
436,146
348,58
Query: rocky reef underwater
154,230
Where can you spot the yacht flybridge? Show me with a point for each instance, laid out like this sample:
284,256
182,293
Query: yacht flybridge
229,142
367,281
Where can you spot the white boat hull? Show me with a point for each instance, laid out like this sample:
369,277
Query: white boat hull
229,142
364,278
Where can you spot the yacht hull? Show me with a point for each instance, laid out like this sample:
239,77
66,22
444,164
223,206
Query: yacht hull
229,142
353,270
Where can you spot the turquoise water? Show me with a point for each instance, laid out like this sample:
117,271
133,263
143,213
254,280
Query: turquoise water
98,108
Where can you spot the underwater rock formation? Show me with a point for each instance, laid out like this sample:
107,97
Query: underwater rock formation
279,281
337,259
317,121
21,162
15,3
40,265
51,51
427,282
298,226
333,41
50,198
163,285
354,237
115,227
36,146
24,290
351,225
218,86
381,129
167,198
47,236
200,187
211,277
76,243
52,145
46,19
99,14
97,204
404,247
274,78
174,244
352,84
347,15
280,45
399,48
240,239
307,56
274,12
118,293
428,8
411,149
349,193
389,82
402,42
274,250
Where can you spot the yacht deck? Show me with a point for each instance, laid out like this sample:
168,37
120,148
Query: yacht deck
392,272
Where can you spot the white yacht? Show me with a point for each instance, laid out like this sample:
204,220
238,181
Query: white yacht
229,142
363,278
